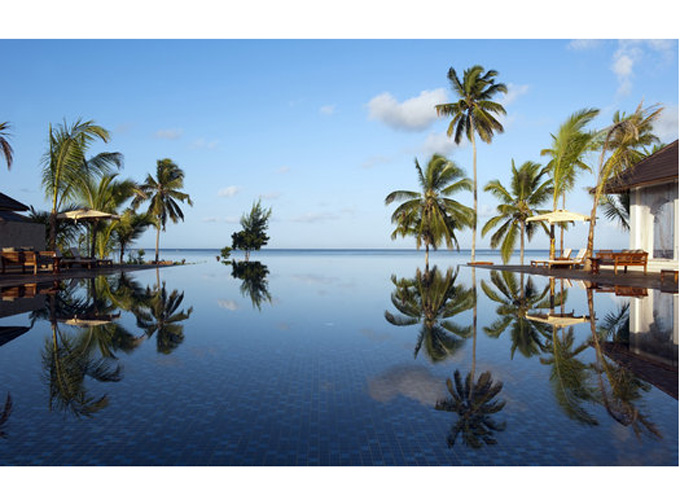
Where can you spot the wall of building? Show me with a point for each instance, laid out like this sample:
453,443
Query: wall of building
653,222
22,234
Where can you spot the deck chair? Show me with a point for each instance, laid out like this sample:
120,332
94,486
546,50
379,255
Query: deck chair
553,262
77,259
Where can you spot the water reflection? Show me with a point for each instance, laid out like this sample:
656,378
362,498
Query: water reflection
432,298
254,281
515,299
475,404
4,416
86,334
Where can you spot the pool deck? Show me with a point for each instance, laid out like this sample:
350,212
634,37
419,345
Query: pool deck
604,278
17,278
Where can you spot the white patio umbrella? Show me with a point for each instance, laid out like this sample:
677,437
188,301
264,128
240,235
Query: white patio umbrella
556,217
87,215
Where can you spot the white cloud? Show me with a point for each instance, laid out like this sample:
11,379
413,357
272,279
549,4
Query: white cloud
666,126
283,170
514,91
327,110
413,115
202,143
584,44
438,143
210,219
274,195
230,305
228,192
170,133
315,217
631,52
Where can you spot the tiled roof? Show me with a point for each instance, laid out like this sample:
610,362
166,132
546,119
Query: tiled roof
7,203
658,168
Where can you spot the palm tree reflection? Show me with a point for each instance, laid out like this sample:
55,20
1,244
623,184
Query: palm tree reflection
515,300
159,314
474,403
431,298
4,416
254,285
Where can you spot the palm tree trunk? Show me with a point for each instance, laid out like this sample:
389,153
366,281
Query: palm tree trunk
593,212
158,239
474,332
521,244
427,257
474,195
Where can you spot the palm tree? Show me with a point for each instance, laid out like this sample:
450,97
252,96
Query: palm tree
514,301
431,216
473,114
127,229
474,403
163,193
617,208
106,194
64,163
569,146
518,203
624,140
5,147
432,298
160,315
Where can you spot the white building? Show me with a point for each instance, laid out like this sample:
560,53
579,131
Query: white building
653,187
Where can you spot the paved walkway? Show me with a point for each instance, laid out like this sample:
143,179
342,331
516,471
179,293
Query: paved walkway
606,277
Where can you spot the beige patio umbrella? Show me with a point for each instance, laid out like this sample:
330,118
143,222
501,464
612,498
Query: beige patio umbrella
87,215
556,217
558,320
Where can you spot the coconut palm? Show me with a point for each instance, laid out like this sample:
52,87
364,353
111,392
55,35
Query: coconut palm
432,298
569,146
514,301
474,403
5,147
527,191
430,215
106,194
473,114
124,231
163,193
161,315
624,140
617,208
65,165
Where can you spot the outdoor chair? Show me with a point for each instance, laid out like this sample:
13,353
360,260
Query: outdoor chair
76,259
558,261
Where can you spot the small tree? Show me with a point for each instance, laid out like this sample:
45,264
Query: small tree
253,236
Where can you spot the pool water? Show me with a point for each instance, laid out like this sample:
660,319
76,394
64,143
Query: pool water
337,358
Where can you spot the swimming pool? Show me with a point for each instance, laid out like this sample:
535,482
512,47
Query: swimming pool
337,358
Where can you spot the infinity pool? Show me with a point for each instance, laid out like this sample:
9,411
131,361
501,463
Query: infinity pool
336,358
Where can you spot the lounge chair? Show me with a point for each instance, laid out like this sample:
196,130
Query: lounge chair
562,260
76,259
19,257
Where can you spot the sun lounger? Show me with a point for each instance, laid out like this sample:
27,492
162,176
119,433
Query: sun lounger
559,261
76,259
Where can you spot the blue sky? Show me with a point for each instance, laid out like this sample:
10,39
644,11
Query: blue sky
320,130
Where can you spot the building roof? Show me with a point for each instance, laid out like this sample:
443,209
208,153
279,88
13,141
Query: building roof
659,168
7,203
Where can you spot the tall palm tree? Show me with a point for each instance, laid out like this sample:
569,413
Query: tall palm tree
473,114
624,140
432,298
163,193
106,194
5,147
64,163
617,208
567,151
527,191
430,215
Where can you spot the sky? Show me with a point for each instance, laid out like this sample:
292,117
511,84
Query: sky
320,130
